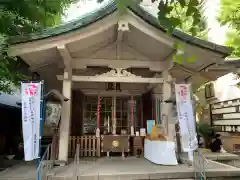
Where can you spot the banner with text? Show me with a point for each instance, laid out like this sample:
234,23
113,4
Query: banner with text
186,117
31,100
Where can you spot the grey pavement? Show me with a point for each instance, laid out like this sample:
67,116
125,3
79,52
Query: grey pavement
117,168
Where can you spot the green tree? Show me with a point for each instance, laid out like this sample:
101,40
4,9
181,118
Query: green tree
199,30
18,17
229,15
233,41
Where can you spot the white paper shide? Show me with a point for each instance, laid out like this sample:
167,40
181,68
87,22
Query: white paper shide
31,99
186,117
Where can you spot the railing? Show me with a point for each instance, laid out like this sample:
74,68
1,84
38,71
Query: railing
89,146
45,165
199,165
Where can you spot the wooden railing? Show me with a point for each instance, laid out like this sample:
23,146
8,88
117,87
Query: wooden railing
89,146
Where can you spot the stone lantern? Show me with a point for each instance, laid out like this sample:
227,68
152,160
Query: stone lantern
53,106
54,101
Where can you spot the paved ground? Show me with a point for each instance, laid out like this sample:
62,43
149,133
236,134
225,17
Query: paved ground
116,168
4,164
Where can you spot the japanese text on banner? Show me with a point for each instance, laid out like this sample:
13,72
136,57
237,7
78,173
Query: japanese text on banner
186,117
31,99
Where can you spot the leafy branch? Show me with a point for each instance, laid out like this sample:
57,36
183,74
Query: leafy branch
18,18
229,15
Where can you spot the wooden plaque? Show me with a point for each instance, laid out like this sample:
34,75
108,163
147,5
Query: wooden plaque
115,143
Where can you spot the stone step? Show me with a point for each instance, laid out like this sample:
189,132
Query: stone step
60,163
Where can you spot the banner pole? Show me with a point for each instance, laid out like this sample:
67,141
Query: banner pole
40,133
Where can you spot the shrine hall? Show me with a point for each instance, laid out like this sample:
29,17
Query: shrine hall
117,72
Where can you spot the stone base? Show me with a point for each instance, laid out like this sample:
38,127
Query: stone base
60,163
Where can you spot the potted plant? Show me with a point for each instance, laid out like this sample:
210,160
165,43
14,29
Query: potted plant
206,131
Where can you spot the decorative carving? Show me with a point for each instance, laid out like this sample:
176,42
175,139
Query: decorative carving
118,72
115,144
123,25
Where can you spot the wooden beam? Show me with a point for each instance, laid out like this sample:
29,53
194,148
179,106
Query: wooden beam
108,93
221,67
119,44
113,79
64,53
192,71
81,63
97,86
122,26
39,66
67,59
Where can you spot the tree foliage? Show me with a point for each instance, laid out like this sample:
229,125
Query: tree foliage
199,30
173,13
230,15
18,17
233,41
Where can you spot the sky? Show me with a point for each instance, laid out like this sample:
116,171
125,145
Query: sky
216,32
81,8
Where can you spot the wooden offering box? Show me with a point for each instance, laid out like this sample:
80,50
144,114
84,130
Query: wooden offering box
115,143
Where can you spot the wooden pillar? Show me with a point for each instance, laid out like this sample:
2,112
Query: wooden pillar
167,107
65,120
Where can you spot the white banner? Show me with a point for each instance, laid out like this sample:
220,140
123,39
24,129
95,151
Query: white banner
31,99
186,117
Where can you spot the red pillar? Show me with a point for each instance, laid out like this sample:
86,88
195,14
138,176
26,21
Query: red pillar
98,112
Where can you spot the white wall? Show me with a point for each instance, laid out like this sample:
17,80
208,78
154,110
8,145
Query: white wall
225,87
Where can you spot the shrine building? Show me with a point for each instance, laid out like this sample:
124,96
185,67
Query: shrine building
117,70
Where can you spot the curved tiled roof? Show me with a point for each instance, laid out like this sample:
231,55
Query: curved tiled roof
92,17
233,61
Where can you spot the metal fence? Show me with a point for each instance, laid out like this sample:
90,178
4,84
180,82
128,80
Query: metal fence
199,162
45,165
